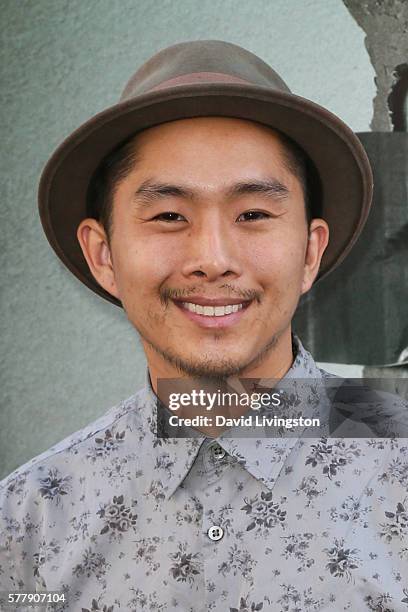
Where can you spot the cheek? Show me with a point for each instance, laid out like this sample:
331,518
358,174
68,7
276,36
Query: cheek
278,261
142,266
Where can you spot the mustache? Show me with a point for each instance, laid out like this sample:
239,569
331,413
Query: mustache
169,293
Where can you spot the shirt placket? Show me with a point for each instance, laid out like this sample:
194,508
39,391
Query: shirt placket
205,481
214,481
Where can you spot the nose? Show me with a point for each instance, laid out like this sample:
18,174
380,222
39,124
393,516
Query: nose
211,252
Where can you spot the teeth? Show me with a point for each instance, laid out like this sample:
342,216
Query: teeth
212,311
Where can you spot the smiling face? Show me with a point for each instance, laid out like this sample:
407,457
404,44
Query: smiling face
210,250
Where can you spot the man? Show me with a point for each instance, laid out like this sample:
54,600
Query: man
202,203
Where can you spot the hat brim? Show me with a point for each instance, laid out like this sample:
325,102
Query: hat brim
336,152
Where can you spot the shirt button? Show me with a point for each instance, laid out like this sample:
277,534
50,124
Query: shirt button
218,452
215,533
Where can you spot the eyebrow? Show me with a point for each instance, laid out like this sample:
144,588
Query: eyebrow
150,190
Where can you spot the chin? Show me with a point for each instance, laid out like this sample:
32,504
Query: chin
204,365
211,370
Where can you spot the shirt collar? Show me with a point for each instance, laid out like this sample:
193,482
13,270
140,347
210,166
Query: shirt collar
263,457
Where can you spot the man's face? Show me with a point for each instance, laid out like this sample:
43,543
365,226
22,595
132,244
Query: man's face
209,222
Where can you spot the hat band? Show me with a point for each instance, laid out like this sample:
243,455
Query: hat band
200,77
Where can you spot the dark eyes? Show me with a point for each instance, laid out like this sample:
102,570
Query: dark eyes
168,216
250,215
253,215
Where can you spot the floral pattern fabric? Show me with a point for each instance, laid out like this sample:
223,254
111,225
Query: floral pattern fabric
119,520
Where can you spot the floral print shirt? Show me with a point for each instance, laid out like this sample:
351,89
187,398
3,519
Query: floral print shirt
120,520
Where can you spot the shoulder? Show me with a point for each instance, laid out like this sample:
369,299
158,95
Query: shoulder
44,503
67,455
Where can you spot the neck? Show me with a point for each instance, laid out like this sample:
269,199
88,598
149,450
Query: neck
273,364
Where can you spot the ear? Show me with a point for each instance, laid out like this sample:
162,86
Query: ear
316,245
95,247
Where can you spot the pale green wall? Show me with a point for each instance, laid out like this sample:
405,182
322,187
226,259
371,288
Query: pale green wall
67,355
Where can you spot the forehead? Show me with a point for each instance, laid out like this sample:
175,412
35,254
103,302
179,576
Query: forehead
201,128
211,146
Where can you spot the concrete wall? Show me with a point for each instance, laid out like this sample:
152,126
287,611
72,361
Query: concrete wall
67,355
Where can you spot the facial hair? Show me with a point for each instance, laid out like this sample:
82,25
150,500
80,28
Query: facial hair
206,369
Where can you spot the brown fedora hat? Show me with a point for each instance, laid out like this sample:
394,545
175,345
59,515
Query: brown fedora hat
207,78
